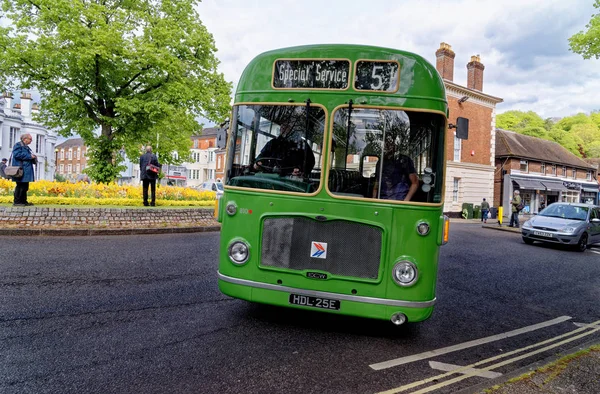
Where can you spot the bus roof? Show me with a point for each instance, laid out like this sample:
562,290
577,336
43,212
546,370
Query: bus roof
419,85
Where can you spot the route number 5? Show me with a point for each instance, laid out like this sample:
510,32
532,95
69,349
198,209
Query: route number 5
377,71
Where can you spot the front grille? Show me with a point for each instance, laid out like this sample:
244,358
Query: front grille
544,228
353,249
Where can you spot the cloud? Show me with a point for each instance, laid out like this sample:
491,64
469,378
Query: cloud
523,43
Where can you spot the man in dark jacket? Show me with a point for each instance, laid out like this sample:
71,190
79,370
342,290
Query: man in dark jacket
2,167
148,176
289,154
24,157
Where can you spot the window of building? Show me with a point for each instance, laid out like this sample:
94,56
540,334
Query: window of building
554,169
69,168
574,173
70,154
570,196
62,154
457,148
588,176
39,144
564,171
62,169
77,167
211,157
78,153
455,189
524,166
12,140
543,171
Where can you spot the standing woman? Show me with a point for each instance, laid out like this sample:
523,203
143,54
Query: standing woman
23,156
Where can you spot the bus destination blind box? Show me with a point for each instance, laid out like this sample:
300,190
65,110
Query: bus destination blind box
311,74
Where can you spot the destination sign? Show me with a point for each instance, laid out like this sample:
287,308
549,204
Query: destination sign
378,76
311,74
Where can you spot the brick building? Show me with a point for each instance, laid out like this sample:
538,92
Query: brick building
71,159
470,162
543,171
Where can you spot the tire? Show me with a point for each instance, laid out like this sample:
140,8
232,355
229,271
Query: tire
528,241
582,244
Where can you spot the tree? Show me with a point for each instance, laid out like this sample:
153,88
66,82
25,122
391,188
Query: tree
519,120
587,43
120,74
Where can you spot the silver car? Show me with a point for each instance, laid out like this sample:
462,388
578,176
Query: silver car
564,223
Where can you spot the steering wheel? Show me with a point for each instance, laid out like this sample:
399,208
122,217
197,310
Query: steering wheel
271,164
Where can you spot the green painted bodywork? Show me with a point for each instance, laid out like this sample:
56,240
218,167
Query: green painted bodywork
421,88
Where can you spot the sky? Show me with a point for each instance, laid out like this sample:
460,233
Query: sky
523,44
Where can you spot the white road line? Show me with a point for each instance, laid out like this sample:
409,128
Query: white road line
465,345
590,328
471,371
594,251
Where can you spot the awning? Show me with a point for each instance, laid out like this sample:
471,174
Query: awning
554,186
529,184
589,190
175,177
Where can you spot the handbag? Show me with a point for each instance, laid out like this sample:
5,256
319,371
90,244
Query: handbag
15,172
152,168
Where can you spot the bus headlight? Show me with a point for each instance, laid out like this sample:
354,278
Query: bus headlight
239,252
405,273
231,208
423,228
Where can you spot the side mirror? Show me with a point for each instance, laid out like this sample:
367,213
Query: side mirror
462,128
595,221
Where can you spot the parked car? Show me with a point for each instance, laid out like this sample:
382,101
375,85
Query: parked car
564,223
212,186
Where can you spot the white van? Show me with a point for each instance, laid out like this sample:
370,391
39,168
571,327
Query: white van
212,186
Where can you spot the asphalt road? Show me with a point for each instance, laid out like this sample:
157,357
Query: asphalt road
143,314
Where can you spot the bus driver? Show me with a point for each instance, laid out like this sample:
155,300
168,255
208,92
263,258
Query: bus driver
289,151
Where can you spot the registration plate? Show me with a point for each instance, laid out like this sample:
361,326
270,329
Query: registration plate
315,302
542,234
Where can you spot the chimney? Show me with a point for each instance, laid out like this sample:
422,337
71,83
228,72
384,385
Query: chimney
8,98
445,61
26,105
475,73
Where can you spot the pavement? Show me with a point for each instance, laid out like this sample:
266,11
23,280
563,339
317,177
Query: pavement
574,371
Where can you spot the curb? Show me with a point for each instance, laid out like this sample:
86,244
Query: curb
108,231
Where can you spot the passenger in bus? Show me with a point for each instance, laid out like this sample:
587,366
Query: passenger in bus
288,154
399,179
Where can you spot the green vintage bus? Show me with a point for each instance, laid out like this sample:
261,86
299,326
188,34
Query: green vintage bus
334,182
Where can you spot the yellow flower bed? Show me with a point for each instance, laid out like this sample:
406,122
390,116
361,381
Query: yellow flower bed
81,193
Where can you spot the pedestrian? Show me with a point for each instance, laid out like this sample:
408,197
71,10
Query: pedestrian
2,167
485,210
149,168
515,202
23,156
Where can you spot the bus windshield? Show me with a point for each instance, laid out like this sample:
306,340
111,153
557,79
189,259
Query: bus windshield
277,147
387,154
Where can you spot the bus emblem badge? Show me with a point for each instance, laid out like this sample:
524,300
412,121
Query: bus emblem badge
318,250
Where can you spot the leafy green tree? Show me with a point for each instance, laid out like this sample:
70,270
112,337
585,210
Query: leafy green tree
121,74
519,120
594,149
567,123
567,140
587,43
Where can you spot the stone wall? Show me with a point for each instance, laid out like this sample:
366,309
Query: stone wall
37,217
